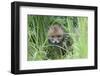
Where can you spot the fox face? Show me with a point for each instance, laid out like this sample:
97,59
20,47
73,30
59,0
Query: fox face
55,34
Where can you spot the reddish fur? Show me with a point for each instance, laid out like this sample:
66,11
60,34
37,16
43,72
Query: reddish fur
55,30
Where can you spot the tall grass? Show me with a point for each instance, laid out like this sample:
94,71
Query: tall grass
38,46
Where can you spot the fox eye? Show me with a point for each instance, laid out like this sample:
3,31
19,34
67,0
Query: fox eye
52,36
59,36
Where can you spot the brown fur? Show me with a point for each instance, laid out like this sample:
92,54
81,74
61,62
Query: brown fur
55,30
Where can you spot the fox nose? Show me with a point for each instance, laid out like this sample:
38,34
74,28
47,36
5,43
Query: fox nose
55,41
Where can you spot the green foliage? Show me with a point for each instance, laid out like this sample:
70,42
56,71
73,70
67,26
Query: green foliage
38,45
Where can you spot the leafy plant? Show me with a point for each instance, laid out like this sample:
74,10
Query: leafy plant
38,46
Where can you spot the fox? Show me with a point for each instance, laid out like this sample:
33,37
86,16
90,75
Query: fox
55,34
58,37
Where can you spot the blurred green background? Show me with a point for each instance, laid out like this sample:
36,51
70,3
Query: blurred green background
38,45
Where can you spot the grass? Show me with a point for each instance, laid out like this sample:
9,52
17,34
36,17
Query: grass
38,46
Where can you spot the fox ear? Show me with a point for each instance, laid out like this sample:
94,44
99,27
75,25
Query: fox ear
50,26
